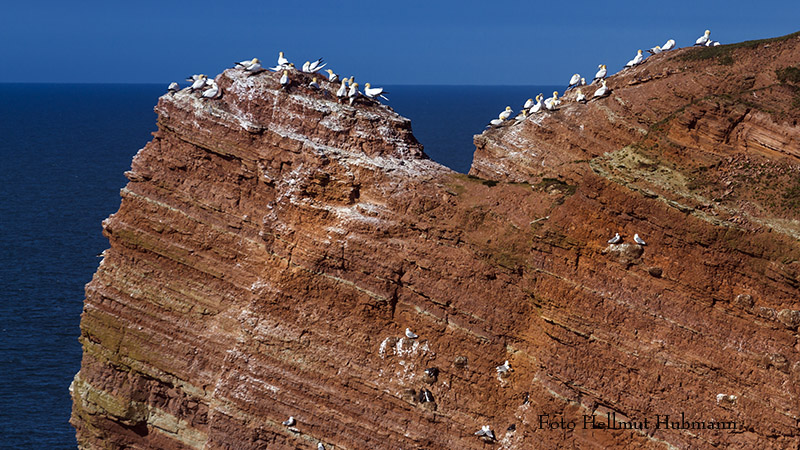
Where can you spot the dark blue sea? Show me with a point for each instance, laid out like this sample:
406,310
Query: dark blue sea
63,149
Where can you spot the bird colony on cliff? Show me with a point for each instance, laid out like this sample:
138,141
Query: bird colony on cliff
551,103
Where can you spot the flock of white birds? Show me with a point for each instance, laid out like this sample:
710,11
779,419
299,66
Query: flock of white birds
576,81
348,89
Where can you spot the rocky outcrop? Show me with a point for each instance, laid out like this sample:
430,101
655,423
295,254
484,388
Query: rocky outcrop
273,245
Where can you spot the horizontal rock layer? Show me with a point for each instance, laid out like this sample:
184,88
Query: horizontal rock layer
273,245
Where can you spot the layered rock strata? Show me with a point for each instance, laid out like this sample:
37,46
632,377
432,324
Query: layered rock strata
273,245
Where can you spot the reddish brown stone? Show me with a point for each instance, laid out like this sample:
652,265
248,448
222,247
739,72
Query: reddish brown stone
272,246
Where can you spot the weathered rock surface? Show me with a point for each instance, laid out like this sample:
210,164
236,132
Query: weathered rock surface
272,246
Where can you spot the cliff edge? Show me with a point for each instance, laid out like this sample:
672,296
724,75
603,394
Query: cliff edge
273,245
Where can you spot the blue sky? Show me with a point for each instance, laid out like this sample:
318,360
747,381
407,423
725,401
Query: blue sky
399,42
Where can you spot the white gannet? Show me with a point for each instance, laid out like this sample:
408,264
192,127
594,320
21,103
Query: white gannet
173,87
506,113
616,239
372,92
332,77
580,98
309,67
199,82
601,74
636,60
278,68
244,64
410,334
712,43
654,50
254,67
574,81
353,92
285,78
281,60
496,122
194,77
703,39
521,116
583,81
486,432
538,106
320,446
528,104
211,92
290,421
342,91
314,83
504,368
669,45
552,102
602,91
638,240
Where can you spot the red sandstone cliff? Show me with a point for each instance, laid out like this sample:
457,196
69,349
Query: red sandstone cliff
272,246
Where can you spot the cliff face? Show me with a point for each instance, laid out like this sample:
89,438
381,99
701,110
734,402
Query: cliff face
272,246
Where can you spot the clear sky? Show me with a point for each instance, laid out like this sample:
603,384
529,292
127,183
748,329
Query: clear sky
497,42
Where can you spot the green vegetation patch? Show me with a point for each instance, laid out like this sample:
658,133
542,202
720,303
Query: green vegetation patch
548,184
724,52
788,75
474,179
791,197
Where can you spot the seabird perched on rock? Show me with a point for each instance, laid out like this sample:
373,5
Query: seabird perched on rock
290,421
282,61
486,432
574,81
538,106
425,396
703,39
583,81
320,446
244,64
580,98
309,67
602,91
636,60
173,87
521,116
194,77
341,93
199,82
372,92
289,66
285,78
552,102
616,239
528,104
638,240
506,113
601,74
496,122
410,334
314,83
711,43
669,45
212,92
332,77
654,50
504,368
353,92
254,67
